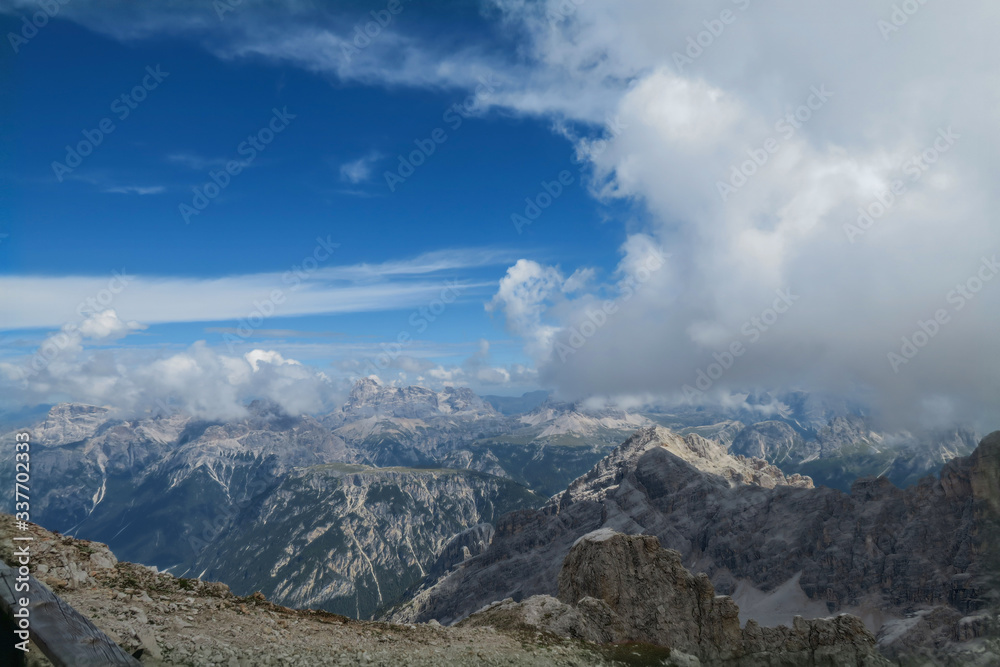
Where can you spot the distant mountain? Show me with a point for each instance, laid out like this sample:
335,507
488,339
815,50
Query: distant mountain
918,565
773,441
351,539
830,441
544,449
191,497
149,487
356,509
412,426
902,458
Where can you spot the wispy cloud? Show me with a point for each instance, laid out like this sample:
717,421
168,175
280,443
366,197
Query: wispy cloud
50,301
137,189
359,170
278,333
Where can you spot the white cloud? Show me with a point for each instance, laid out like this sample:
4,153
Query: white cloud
359,170
684,131
106,326
256,357
523,297
199,381
46,301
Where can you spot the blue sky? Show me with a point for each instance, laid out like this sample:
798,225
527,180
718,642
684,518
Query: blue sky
734,178
320,178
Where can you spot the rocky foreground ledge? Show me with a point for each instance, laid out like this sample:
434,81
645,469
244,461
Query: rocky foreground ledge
623,601
165,620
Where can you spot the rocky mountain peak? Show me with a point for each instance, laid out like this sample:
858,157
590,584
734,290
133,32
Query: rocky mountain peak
369,398
71,422
704,455
363,391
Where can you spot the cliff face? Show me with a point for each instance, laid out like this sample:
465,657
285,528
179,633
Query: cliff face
882,552
270,502
351,539
622,588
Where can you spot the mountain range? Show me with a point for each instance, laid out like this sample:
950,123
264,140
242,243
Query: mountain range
414,505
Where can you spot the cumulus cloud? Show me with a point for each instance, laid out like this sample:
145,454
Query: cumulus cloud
106,326
199,381
522,297
754,158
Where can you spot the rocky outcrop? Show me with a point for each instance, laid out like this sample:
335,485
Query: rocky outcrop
880,552
622,588
165,620
62,563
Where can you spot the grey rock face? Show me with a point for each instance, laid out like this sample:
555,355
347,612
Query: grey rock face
845,431
879,549
351,539
462,547
157,488
622,588
70,422
368,398
773,441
